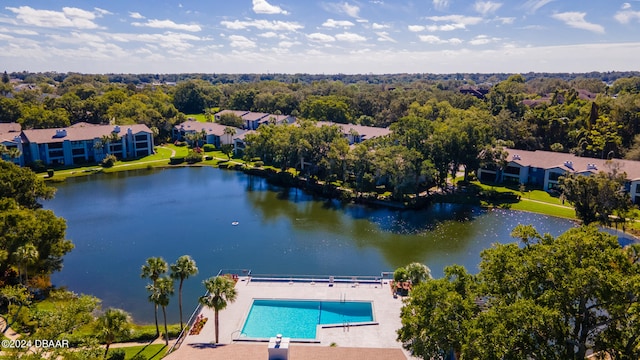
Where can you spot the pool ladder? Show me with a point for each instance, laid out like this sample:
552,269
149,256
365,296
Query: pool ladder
345,326
343,297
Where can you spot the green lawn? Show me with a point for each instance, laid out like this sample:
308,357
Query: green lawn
201,117
537,201
151,352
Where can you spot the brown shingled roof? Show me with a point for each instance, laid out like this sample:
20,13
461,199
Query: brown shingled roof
570,162
79,132
6,128
368,132
209,127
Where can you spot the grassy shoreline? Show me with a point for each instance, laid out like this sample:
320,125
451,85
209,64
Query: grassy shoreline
529,200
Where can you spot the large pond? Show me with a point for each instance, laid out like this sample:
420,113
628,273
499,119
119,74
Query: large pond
117,221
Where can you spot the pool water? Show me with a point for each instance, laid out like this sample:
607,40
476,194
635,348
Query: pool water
297,319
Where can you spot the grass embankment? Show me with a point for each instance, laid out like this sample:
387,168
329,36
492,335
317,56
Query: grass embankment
536,201
149,352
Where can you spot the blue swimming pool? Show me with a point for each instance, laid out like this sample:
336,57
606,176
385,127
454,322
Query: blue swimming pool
298,319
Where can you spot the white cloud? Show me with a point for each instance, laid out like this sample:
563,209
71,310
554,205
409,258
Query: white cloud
288,44
441,4
350,37
330,23
432,39
483,40
268,35
416,28
486,7
627,16
576,20
506,20
534,5
320,37
263,7
343,8
384,36
262,25
68,17
351,10
77,38
102,12
626,6
18,31
239,41
168,24
376,26
459,19
136,15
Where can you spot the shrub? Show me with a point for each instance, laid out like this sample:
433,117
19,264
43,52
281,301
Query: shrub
208,147
116,354
176,160
37,166
254,159
208,157
259,164
109,161
50,172
193,157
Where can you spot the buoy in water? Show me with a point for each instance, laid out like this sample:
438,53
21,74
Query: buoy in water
235,223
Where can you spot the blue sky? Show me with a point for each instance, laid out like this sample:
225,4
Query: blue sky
295,36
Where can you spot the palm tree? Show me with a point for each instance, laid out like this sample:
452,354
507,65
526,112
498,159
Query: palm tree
184,267
111,325
229,132
26,255
160,295
154,267
221,290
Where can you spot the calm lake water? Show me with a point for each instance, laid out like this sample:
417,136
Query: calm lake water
117,221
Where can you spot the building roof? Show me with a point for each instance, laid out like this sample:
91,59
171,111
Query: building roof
242,136
253,116
79,132
572,163
8,131
10,127
366,132
209,127
238,113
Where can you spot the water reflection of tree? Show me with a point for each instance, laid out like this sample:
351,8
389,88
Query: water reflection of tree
401,236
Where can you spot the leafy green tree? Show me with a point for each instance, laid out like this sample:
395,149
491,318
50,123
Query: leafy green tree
436,315
5,77
153,269
596,197
184,268
11,296
555,298
160,294
71,312
111,325
23,185
233,120
220,292
40,228
26,255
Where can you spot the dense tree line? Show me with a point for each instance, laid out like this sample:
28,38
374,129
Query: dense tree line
32,240
547,298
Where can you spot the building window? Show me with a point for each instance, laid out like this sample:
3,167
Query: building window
554,176
512,170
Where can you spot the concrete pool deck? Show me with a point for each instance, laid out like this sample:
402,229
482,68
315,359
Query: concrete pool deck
383,335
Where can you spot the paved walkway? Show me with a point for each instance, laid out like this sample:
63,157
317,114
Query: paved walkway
242,351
